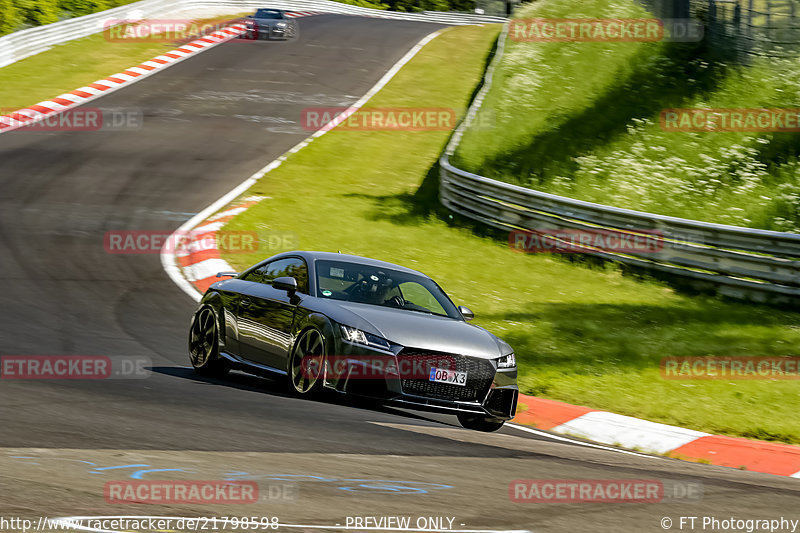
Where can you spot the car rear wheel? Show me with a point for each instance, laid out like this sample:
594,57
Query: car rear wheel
479,423
204,345
306,368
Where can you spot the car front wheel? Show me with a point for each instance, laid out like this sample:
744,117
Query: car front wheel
204,345
306,367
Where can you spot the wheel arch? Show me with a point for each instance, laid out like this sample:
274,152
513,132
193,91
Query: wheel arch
317,321
213,300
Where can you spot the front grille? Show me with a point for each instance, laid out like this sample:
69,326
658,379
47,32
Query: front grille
480,373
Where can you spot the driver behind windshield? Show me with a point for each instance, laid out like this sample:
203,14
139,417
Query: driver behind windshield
373,289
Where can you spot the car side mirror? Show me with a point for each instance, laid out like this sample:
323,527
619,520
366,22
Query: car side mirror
227,274
285,283
466,312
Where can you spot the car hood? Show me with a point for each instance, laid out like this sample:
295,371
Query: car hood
424,331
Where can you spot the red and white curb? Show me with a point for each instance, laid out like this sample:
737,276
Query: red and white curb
200,264
672,441
38,112
297,14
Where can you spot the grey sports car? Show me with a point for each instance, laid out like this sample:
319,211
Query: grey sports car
269,24
358,326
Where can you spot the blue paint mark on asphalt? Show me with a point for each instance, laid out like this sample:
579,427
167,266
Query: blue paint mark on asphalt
353,485
98,470
234,474
139,473
388,486
299,477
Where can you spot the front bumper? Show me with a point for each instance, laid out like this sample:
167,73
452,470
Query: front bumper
264,33
489,391
271,33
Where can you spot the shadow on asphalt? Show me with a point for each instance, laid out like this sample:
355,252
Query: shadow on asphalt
277,387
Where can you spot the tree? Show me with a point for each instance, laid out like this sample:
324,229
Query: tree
39,12
83,7
9,17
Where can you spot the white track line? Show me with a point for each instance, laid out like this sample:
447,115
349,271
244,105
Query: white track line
168,256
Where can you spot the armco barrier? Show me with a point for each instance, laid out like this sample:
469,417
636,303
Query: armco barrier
743,263
24,43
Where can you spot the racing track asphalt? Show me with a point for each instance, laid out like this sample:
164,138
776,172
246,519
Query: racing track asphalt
209,122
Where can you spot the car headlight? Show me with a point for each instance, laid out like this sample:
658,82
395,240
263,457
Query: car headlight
507,361
356,336
281,24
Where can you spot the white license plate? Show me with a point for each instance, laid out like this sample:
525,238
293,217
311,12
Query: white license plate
453,377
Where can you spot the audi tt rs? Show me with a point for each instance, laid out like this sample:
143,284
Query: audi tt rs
357,326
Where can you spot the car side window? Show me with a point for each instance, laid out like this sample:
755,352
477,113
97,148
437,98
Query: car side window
291,266
255,275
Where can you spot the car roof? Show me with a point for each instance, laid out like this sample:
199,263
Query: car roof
347,258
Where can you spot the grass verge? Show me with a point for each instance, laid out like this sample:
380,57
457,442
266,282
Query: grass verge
582,119
585,336
67,66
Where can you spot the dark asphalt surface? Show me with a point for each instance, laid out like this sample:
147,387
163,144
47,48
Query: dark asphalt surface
209,122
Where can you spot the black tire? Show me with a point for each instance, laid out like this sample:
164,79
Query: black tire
479,422
307,363
204,345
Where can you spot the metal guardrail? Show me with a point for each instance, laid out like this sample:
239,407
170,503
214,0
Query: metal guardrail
25,43
739,262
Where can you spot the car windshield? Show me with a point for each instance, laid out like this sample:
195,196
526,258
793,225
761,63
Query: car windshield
268,14
354,282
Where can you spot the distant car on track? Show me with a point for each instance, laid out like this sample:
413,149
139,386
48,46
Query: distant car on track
269,24
357,326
